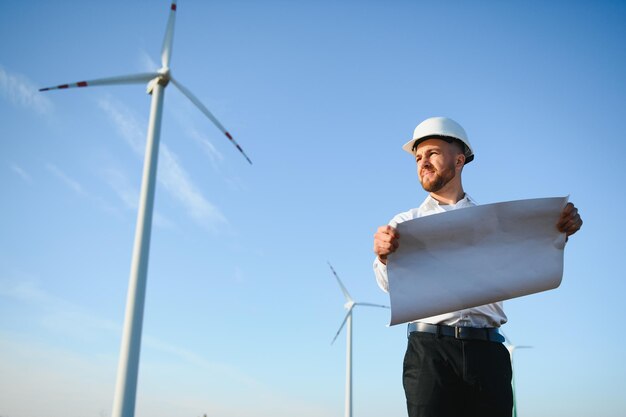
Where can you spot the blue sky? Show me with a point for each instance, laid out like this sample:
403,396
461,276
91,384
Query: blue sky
241,305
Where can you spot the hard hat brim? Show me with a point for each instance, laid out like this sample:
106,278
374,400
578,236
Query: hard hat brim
413,143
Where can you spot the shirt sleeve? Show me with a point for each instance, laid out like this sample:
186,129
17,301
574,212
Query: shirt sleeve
380,271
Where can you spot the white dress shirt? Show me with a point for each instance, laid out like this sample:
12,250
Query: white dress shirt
489,315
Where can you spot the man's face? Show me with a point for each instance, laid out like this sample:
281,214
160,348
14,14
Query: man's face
435,160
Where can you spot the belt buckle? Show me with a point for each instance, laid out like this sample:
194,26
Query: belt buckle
457,332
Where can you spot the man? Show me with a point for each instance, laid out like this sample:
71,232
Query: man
455,364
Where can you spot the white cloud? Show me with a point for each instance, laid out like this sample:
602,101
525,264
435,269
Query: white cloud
78,188
207,147
174,178
26,291
198,361
70,182
22,92
129,195
55,313
171,175
53,371
23,174
59,363
131,130
118,181
147,63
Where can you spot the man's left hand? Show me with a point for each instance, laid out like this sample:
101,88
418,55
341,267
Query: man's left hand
570,221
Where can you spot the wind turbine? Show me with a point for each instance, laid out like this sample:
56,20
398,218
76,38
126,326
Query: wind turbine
126,385
349,305
512,348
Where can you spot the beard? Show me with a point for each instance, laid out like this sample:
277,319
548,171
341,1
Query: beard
438,180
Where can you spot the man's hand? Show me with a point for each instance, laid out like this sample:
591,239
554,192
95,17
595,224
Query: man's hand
570,221
385,242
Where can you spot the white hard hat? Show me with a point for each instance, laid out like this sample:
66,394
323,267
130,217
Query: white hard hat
440,128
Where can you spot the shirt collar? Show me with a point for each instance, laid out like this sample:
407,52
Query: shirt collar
430,204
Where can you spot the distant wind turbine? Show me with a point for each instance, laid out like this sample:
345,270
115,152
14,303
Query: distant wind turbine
126,385
349,305
512,348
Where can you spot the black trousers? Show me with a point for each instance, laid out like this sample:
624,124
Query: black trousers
447,377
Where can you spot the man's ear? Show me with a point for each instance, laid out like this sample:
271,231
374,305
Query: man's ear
460,160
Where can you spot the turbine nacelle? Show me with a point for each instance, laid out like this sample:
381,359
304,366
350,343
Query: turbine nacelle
165,75
163,78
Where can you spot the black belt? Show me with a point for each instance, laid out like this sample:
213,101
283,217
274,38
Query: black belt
464,333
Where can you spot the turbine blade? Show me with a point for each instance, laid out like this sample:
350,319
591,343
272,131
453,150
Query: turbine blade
342,324
168,40
208,114
122,79
372,305
343,288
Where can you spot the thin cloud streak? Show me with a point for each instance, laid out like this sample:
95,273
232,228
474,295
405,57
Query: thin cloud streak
147,63
23,174
118,181
199,360
70,182
63,317
55,313
22,92
128,127
172,175
78,188
207,147
175,179
129,195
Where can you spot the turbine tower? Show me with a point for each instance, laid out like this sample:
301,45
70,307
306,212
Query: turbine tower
512,348
349,305
126,385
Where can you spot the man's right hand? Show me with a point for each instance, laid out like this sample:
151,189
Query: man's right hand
385,242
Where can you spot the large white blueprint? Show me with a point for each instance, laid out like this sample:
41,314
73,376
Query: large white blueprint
474,256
